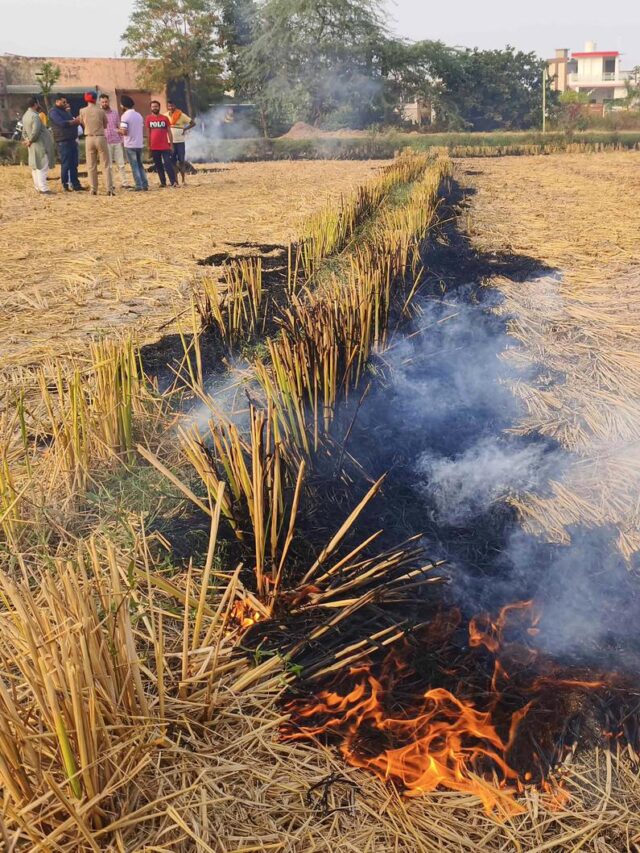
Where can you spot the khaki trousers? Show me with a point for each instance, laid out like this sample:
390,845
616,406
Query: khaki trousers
96,147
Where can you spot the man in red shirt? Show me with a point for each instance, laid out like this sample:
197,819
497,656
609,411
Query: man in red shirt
160,145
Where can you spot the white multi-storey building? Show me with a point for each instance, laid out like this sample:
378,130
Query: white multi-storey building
597,73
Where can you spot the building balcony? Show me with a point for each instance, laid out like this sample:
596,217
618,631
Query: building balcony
615,79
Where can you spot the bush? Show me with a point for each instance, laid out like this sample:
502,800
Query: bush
12,153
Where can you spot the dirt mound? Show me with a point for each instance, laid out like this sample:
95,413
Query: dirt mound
302,130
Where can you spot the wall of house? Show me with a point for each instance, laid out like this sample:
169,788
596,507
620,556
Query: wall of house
590,69
112,76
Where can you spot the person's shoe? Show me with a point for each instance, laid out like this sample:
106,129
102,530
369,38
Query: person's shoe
94,192
78,188
45,192
163,186
175,186
135,189
111,192
145,189
67,189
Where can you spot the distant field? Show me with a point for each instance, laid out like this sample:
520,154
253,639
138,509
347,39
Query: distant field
376,146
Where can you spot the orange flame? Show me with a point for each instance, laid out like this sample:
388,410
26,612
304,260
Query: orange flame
438,739
243,615
440,746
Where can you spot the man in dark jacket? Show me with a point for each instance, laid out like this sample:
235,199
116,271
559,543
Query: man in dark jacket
65,134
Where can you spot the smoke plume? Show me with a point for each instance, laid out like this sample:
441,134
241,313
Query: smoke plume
221,134
444,420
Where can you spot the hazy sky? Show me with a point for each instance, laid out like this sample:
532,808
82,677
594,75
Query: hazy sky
93,27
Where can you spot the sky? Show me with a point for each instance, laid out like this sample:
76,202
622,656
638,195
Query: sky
93,27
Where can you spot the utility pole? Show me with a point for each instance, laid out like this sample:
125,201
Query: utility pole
545,75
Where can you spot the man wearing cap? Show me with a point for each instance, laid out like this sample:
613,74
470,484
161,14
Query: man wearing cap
65,135
94,124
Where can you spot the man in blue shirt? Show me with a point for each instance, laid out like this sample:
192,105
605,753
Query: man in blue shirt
65,134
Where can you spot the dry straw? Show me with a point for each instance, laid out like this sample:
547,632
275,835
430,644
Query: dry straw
580,323
128,721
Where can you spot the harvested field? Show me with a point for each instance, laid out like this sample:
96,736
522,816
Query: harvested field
76,265
223,618
580,216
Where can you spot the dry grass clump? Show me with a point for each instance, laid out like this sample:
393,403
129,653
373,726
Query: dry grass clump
326,336
108,671
237,304
580,324
530,150
84,421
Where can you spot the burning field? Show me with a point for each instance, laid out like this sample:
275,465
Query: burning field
348,561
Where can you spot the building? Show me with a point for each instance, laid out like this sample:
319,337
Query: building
597,73
559,68
115,77
418,112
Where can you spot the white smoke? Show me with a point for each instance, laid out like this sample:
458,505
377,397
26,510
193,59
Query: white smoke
469,484
221,134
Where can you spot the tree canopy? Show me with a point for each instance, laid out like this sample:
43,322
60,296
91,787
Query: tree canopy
47,76
329,63
473,89
311,59
176,40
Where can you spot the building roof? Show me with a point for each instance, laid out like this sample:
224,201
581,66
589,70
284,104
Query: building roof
69,58
34,89
597,53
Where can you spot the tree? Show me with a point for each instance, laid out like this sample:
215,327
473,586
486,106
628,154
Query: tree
632,85
48,76
473,89
316,60
238,29
490,89
176,40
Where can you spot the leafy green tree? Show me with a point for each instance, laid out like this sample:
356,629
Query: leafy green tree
238,29
490,89
47,76
312,59
632,85
176,40
473,89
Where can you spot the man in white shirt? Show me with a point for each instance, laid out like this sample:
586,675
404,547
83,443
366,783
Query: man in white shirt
132,132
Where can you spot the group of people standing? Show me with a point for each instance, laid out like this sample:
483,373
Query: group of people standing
108,136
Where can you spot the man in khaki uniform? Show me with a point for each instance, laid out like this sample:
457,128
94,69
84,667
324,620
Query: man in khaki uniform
94,122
